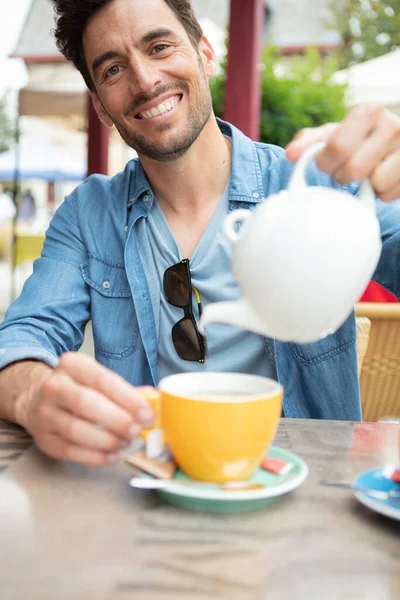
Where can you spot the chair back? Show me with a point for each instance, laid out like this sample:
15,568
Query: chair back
380,368
363,329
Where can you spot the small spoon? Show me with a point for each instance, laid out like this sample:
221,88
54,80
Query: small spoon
147,483
381,494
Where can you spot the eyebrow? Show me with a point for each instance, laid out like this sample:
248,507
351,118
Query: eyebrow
146,39
155,34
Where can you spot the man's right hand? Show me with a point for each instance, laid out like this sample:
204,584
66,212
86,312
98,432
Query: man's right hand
83,412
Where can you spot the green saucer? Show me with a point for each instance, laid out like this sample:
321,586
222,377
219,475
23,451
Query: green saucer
213,499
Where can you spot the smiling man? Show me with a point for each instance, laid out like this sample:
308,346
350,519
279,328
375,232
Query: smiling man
154,87
140,253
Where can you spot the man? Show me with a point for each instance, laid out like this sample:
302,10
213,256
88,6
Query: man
115,251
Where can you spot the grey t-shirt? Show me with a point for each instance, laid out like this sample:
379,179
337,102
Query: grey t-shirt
229,348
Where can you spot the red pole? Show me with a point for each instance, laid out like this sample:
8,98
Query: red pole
98,136
243,88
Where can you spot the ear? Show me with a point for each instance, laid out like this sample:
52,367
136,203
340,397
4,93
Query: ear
208,55
101,113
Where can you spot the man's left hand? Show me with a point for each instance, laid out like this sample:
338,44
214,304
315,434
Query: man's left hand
365,144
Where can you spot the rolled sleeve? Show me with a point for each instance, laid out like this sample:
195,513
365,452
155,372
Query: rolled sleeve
9,355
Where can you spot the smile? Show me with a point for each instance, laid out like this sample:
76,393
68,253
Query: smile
161,109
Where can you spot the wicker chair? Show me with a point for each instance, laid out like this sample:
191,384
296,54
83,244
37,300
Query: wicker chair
363,329
380,368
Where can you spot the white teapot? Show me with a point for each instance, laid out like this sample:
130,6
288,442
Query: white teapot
302,259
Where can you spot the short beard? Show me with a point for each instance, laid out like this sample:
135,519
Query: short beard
177,148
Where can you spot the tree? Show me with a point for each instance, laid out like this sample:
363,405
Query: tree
296,93
368,28
6,127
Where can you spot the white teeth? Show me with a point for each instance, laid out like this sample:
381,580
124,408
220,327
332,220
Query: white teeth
160,109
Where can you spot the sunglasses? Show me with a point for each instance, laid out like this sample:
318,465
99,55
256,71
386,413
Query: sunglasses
188,341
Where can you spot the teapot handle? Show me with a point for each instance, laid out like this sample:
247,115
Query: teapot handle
297,180
231,221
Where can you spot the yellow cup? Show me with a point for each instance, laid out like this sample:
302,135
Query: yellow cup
218,426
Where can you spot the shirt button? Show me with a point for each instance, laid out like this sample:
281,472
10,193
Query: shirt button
255,195
126,228
146,198
106,285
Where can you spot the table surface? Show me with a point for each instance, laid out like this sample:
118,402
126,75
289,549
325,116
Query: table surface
68,532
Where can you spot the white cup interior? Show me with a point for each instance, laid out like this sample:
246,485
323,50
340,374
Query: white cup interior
220,387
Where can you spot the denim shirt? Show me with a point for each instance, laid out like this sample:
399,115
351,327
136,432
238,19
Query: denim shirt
93,266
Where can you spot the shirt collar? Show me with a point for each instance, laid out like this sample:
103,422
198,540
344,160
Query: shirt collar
245,182
140,186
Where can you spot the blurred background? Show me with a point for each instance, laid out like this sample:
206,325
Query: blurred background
284,65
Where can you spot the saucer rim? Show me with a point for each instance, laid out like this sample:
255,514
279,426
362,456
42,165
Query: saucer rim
287,484
376,504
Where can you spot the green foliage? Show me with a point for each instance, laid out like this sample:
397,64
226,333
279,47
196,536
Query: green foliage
368,28
296,93
6,126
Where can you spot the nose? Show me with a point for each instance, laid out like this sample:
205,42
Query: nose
145,76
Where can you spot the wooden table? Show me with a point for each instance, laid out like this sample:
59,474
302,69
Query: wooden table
73,533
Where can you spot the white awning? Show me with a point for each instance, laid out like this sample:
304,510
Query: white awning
375,80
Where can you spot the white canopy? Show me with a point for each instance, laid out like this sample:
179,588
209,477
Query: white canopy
41,160
375,80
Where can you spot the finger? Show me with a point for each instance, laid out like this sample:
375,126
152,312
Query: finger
345,141
90,405
307,137
82,433
386,177
391,195
58,448
85,370
372,152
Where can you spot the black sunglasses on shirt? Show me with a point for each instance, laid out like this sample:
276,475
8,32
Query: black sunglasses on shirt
188,341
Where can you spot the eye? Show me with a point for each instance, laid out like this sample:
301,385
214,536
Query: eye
114,70
159,48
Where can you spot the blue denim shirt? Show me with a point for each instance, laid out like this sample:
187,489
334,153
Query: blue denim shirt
93,266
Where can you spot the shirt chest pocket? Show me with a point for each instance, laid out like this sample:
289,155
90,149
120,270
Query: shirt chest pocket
328,347
114,321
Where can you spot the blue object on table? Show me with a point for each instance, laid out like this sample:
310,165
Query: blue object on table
375,479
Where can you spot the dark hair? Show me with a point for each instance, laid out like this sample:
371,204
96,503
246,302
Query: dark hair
73,16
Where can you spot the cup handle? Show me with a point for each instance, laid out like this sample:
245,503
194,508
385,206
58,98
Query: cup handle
298,180
154,399
231,221
367,195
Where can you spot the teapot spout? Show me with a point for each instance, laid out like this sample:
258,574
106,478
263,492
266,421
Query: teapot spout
238,313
